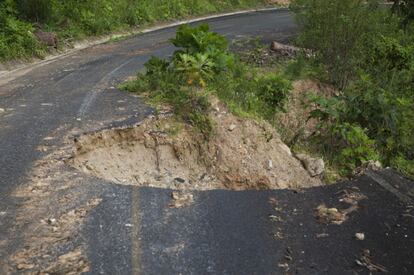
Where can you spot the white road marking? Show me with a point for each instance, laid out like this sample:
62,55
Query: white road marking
90,97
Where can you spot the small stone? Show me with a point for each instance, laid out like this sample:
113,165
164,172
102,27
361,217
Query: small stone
232,127
360,236
2,110
3,213
128,225
25,266
269,164
79,119
51,221
374,165
180,180
314,166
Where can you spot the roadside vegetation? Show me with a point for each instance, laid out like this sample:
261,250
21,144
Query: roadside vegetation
363,51
73,19
203,67
366,51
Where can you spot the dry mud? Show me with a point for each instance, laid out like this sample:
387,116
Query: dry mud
162,152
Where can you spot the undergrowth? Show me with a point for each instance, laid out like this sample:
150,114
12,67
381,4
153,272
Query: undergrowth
74,19
372,118
203,67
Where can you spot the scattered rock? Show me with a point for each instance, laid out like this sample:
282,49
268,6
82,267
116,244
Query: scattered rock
278,235
284,266
314,166
366,261
73,262
232,127
370,165
275,218
181,199
288,254
180,180
2,110
351,196
25,266
330,215
360,236
51,221
335,216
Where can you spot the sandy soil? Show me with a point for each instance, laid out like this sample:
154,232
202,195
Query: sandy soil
242,154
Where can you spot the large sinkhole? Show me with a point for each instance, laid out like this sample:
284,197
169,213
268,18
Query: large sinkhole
162,152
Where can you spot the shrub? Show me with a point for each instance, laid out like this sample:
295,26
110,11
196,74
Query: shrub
36,10
354,146
201,65
273,91
404,8
369,55
79,18
336,31
16,37
195,69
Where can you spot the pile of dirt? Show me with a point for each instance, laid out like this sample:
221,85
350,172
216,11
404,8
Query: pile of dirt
162,152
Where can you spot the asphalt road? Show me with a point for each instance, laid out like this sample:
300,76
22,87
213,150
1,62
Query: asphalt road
72,88
133,230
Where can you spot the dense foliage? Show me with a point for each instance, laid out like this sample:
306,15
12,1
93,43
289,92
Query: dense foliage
73,19
367,52
203,66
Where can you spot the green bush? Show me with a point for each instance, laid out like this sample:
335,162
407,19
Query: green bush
36,10
16,37
404,8
369,56
202,65
74,19
337,31
354,146
273,91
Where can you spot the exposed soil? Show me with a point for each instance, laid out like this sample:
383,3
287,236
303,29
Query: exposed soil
161,152
53,206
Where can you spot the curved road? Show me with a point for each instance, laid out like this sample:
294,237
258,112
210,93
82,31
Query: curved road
72,88
133,231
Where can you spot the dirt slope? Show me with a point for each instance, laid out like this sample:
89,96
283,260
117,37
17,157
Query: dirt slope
161,152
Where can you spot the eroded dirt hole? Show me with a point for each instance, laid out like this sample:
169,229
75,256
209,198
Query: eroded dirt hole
161,152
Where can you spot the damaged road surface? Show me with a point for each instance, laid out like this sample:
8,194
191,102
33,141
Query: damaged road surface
77,192
252,232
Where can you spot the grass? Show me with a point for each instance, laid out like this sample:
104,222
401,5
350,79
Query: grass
72,20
